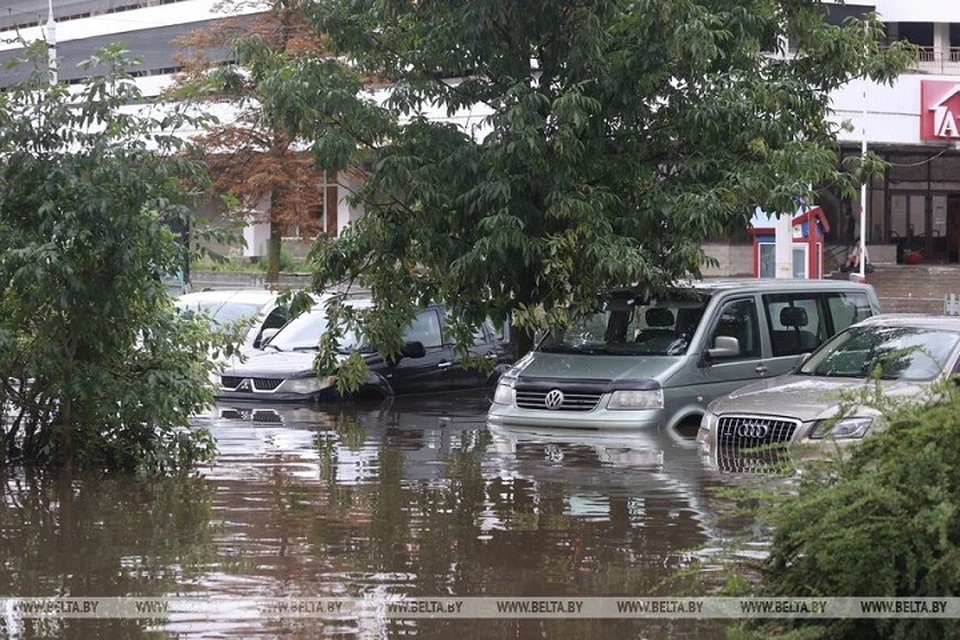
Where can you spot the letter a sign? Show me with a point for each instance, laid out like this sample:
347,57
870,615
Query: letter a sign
939,110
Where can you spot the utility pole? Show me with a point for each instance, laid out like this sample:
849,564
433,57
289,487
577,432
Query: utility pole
52,44
863,159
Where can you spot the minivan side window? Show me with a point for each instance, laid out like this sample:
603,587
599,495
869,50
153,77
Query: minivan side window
847,309
795,321
738,319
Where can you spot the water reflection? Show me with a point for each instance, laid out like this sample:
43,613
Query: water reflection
414,497
97,537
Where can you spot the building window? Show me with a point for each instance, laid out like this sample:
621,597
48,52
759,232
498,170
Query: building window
322,212
326,209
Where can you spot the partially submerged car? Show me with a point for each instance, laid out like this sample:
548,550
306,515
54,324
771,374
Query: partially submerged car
903,355
259,307
284,370
646,364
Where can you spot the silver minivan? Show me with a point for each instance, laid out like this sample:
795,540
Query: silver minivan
639,363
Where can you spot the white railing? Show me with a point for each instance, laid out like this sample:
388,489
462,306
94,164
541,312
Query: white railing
931,60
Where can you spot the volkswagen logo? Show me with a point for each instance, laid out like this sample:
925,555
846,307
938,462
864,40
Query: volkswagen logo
553,399
752,430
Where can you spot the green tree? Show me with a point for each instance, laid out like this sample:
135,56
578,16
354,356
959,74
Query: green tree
617,136
249,153
97,370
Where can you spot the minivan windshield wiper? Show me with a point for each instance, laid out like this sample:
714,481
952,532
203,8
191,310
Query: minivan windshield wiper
589,349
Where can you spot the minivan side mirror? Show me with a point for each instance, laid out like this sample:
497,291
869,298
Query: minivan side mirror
724,347
413,349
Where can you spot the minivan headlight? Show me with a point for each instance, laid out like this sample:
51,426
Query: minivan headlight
307,385
636,399
848,428
505,393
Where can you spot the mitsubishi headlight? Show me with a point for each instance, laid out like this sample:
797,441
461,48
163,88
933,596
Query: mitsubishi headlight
636,399
846,429
505,393
307,385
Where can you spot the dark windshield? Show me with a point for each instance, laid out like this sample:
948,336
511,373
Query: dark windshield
630,325
892,353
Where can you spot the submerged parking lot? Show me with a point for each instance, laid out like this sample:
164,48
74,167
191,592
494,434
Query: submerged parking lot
415,497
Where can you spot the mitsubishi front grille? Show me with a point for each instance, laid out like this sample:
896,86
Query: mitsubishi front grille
238,383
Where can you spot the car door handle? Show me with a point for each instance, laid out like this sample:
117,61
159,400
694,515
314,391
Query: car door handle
445,364
761,369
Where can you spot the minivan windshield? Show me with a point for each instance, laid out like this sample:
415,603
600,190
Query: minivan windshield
892,353
628,324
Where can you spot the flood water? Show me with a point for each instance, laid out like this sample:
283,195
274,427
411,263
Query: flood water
415,497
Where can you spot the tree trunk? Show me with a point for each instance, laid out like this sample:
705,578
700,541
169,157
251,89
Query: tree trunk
273,252
521,339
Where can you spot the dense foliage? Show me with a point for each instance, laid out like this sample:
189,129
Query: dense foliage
519,157
880,522
96,368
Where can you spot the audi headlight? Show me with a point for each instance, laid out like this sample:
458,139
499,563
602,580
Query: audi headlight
307,385
505,393
635,399
848,428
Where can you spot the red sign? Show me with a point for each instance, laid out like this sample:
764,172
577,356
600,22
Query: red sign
939,110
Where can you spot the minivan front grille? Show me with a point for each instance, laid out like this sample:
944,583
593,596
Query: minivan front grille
754,431
566,401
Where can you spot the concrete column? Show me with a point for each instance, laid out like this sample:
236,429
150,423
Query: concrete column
783,247
941,44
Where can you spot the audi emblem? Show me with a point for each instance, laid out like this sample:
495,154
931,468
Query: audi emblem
553,399
752,430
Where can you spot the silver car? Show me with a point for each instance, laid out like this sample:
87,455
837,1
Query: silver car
819,401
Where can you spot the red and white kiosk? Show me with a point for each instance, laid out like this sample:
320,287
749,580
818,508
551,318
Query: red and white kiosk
789,247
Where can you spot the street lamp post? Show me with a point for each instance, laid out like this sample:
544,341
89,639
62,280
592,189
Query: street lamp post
52,44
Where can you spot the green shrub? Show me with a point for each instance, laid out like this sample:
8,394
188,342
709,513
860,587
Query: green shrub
98,370
880,523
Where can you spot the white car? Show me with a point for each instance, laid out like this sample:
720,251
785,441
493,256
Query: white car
227,306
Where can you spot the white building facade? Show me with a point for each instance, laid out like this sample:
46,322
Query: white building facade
915,126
